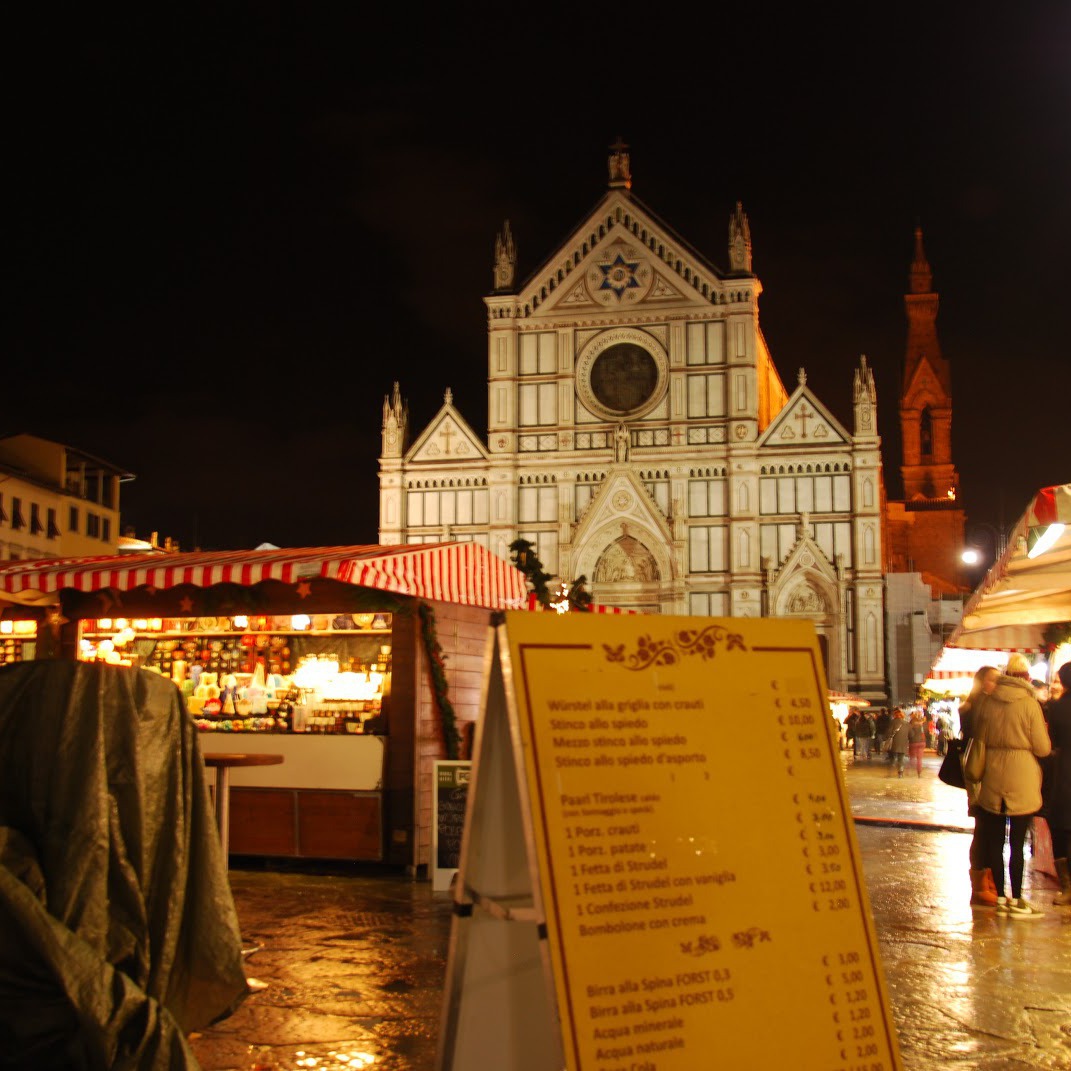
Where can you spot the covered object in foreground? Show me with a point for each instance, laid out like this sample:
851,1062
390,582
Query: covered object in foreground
118,933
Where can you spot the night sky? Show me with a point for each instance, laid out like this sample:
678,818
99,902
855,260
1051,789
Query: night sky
234,226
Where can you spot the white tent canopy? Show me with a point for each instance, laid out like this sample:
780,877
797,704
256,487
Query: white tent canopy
1029,587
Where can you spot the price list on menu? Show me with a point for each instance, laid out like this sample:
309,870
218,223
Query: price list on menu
704,899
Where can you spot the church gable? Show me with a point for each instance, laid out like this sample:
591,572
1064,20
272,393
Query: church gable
622,499
622,273
806,583
804,422
619,258
448,438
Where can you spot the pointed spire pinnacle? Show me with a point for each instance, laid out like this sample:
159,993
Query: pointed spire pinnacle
505,259
739,240
448,397
395,423
801,377
620,171
863,387
921,276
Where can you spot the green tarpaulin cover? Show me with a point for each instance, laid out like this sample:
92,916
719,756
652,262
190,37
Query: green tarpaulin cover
118,933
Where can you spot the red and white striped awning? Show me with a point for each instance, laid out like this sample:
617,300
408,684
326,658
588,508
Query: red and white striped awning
463,573
591,608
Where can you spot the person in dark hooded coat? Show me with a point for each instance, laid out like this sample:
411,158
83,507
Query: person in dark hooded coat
1058,715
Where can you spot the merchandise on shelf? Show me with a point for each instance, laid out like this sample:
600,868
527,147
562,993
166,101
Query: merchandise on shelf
18,641
262,674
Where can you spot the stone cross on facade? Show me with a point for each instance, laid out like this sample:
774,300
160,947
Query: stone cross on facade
803,414
446,433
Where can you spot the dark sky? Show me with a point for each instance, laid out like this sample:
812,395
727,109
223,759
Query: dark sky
234,226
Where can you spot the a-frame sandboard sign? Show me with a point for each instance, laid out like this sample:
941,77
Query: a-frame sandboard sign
659,868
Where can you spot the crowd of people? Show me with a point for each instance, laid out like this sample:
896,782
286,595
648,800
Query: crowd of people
901,737
1020,769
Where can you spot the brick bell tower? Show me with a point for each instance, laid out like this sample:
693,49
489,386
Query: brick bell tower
926,398
925,531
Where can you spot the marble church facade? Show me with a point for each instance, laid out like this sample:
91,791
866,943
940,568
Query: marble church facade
639,434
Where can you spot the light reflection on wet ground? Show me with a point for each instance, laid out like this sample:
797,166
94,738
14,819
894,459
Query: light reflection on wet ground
355,963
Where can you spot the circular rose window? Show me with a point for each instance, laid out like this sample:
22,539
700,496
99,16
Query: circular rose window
623,377
622,373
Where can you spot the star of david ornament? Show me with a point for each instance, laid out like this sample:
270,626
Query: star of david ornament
619,275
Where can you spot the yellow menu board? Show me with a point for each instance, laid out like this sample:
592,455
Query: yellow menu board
659,868
705,904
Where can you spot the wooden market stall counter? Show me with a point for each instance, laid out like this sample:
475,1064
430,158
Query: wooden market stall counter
324,801
333,796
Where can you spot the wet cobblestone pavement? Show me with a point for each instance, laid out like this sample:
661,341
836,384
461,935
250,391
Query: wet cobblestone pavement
355,962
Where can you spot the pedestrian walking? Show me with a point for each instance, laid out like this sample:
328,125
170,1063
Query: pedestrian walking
882,726
1058,715
850,723
1011,729
916,741
944,733
898,742
864,735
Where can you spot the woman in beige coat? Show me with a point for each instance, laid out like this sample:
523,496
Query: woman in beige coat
1011,726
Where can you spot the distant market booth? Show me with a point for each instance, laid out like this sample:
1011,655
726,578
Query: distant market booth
361,665
1023,604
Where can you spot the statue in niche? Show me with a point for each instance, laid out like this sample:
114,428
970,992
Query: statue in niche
621,443
620,172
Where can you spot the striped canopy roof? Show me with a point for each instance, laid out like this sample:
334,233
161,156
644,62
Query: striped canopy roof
1029,586
462,573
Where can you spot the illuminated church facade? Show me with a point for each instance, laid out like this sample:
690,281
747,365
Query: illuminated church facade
639,434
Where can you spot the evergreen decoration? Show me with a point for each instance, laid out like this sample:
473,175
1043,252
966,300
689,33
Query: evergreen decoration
523,556
437,664
1055,634
579,596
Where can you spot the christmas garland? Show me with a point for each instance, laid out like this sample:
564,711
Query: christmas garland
1055,634
437,664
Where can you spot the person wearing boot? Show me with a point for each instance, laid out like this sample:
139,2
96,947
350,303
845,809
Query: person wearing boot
916,740
1058,714
983,889
1010,725
898,745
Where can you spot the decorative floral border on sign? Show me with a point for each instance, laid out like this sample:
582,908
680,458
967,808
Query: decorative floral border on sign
651,652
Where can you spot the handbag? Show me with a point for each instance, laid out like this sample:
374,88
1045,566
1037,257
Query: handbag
951,771
974,760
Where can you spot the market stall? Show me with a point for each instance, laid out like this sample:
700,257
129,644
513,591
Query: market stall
360,665
841,704
1022,604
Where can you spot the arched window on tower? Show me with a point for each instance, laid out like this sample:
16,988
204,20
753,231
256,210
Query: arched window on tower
926,433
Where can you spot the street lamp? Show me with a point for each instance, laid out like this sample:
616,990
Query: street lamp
972,555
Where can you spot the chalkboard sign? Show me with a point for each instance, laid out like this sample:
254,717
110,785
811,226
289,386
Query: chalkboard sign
448,821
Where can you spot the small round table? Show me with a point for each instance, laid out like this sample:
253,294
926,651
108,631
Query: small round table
223,762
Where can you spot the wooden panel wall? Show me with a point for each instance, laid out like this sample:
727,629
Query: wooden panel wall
462,631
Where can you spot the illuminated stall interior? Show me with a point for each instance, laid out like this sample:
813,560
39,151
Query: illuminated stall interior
330,657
